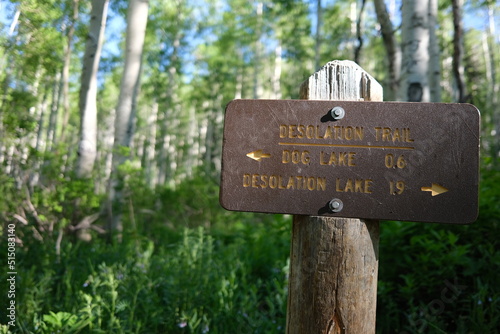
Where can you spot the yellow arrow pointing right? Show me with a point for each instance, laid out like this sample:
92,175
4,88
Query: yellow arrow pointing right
435,189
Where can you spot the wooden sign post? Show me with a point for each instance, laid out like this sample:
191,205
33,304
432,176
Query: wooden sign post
334,261
345,153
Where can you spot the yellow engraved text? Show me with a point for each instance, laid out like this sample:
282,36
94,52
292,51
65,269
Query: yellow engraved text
298,182
354,185
396,187
321,132
393,135
337,158
295,157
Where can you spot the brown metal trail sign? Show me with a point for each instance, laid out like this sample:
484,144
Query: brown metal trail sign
372,160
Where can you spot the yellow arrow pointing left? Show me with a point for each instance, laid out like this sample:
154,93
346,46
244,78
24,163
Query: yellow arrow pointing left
435,189
258,155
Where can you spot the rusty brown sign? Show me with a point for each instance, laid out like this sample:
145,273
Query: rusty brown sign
371,160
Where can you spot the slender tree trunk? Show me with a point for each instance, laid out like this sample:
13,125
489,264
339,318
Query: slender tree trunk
137,18
434,55
317,46
493,83
172,152
209,134
277,72
257,82
217,138
414,85
163,148
39,142
213,139
193,144
87,147
359,33
3,101
106,138
491,33
54,108
14,22
239,83
391,47
150,145
163,156
8,159
65,75
353,17
7,68
12,27
458,51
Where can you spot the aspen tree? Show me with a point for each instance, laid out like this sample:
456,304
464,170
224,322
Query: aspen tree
391,46
137,18
87,147
415,45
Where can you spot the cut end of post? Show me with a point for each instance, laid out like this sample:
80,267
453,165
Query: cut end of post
347,80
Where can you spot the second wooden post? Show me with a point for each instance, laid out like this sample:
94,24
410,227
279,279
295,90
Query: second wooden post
334,261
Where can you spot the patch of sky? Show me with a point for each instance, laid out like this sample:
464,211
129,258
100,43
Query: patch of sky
112,48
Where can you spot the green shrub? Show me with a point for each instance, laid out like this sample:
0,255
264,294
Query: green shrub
437,278
185,265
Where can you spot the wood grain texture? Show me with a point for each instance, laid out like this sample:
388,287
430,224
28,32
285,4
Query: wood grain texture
334,261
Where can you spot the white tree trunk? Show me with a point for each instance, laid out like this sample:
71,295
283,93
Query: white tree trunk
317,46
359,33
491,33
458,52
150,145
39,142
7,69
193,144
136,32
106,138
415,44
87,147
277,72
391,47
51,129
14,22
165,119
257,81
163,147
65,76
137,18
492,56
434,55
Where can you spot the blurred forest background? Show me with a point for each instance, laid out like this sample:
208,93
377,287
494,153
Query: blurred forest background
111,117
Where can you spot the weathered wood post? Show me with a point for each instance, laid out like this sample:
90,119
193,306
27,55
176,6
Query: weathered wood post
334,261
275,159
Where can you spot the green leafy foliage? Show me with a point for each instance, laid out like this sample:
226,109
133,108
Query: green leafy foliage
442,278
18,119
164,277
190,267
184,264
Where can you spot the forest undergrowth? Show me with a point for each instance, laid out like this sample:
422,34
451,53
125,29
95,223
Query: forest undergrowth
185,265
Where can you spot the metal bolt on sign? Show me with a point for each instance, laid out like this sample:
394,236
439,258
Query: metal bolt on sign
337,113
336,205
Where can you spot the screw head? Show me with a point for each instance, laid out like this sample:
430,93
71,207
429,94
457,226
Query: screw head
337,113
336,205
